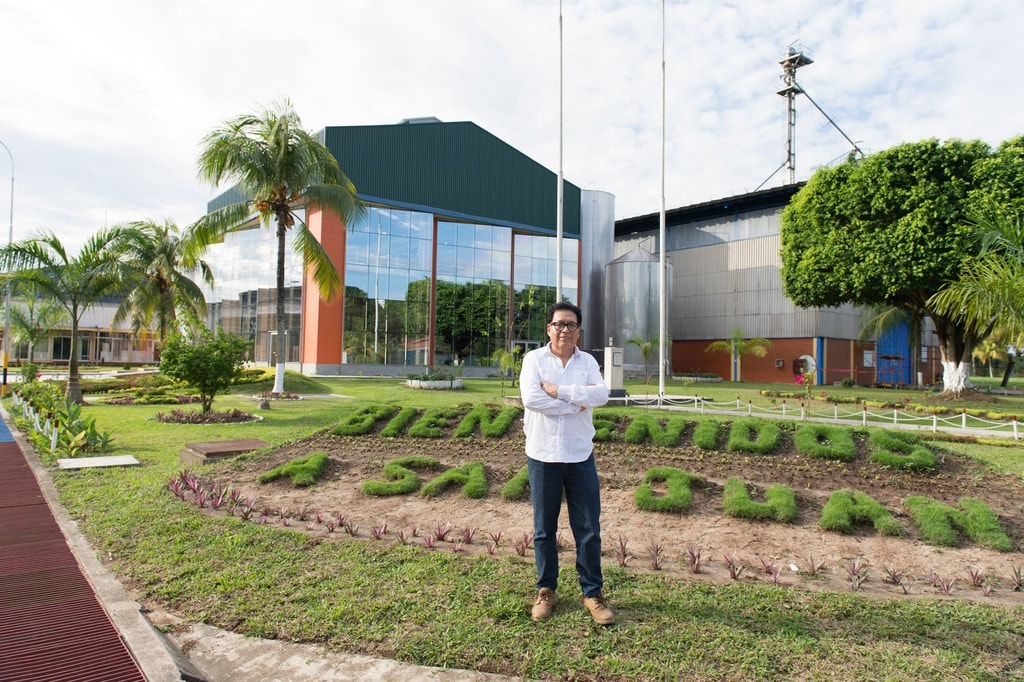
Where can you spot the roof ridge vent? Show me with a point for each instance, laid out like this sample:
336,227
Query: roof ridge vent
420,119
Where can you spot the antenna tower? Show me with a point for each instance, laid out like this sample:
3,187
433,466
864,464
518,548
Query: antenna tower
794,59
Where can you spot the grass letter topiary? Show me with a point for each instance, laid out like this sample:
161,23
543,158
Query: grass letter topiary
303,471
678,494
779,504
400,476
825,441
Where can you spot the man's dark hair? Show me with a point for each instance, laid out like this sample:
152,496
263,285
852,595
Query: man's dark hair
565,305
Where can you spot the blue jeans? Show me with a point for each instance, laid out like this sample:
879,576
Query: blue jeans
583,500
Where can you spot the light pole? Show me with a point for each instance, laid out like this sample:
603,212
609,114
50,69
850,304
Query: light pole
7,288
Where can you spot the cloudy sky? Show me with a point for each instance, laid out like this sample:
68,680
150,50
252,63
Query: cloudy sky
103,103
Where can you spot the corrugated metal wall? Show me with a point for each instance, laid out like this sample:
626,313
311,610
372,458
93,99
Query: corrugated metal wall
737,284
455,169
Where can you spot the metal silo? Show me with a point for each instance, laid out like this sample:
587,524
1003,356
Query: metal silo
631,305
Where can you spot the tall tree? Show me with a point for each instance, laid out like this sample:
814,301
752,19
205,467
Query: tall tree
738,345
891,230
77,281
161,259
278,168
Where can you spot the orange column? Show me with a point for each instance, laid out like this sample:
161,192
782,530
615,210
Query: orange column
322,321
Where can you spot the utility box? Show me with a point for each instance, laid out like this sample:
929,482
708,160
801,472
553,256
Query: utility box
613,371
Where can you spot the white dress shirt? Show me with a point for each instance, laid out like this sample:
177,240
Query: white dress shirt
560,429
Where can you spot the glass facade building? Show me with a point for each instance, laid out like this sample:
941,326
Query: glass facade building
418,290
454,259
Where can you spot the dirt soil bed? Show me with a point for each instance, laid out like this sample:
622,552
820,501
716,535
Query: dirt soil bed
789,547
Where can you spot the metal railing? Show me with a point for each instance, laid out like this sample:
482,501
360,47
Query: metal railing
896,418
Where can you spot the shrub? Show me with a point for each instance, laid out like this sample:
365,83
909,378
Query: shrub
779,504
678,496
208,362
303,471
848,507
29,372
400,476
823,440
754,436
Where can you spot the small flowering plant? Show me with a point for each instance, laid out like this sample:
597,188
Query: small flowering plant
806,379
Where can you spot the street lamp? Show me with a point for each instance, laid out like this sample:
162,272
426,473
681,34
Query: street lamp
7,295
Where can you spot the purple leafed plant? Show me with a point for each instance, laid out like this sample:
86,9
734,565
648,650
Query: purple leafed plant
977,577
735,568
380,531
693,554
495,537
467,535
403,537
441,531
428,541
622,552
1017,578
892,576
767,566
655,554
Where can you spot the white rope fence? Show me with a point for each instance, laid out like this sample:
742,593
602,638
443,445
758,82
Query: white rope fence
903,419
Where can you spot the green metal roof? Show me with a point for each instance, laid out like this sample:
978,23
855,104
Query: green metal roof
455,169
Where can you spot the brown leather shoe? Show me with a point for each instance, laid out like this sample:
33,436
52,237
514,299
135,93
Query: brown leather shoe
599,610
545,604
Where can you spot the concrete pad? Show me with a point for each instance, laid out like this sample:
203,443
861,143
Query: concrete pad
93,462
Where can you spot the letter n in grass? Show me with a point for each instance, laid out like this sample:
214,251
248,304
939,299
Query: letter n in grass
939,523
846,508
490,426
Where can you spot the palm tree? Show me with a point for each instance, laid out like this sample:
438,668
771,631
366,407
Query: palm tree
992,348
278,167
162,258
75,281
33,319
737,345
990,289
647,349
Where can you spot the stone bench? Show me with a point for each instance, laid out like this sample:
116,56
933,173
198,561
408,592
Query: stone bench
204,453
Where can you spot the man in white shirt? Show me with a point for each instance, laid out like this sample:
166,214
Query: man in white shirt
561,386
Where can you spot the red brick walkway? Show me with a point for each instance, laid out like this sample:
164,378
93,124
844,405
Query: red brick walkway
52,626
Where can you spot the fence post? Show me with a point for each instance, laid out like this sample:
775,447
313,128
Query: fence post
963,419
935,423
1015,428
783,408
864,415
835,411
750,408
895,416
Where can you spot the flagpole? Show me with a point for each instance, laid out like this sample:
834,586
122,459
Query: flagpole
559,227
662,267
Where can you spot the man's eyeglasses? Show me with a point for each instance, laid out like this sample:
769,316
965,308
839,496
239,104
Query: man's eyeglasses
562,326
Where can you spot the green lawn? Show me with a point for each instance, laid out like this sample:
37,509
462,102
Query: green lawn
447,609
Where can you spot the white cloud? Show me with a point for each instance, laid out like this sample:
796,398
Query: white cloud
105,103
